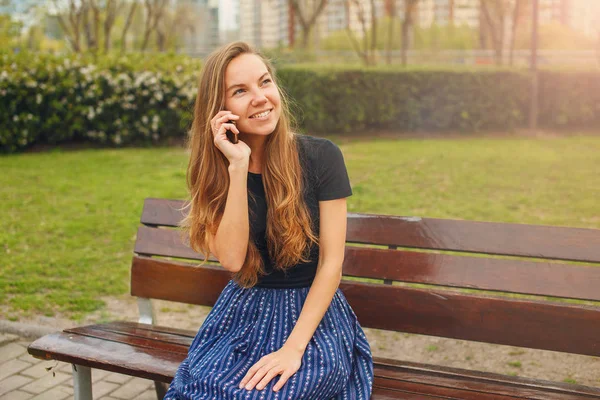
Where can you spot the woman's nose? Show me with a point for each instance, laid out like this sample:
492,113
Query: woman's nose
259,99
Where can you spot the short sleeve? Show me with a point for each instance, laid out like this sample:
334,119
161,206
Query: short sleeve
333,176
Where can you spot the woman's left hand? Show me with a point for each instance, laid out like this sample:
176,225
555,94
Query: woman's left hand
285,362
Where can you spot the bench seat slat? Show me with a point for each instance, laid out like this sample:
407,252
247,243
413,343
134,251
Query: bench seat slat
437,313
146,341
561,243
393,379
140,332
157,365
401,373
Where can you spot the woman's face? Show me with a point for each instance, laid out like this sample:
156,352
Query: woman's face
251,94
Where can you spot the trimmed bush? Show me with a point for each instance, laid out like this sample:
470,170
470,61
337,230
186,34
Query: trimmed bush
337,100
143,99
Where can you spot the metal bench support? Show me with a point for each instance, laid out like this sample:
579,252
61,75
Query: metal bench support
82,380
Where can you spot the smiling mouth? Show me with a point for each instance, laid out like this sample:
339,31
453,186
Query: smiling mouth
261,115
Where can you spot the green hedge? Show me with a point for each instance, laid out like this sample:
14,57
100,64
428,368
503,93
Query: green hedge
147,98
335,100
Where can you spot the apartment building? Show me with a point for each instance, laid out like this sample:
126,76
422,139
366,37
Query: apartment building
206,36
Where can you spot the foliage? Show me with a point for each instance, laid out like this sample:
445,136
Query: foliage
121,100
143,98
335,100
447,37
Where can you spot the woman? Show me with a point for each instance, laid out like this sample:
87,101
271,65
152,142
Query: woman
270,205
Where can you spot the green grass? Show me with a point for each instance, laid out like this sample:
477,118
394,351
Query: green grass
69,219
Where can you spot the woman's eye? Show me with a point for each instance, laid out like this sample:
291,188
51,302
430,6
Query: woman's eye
238,91
266,81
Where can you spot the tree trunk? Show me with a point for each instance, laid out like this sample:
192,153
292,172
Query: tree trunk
482,29
306,23
305,37
390,32
126,27
497,42
96,19
373,34
87,29
112,9
409,6
405,26
362,54
161,39
515,23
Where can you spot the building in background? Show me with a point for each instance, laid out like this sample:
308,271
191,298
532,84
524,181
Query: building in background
440,12
271,23
205,36
582,16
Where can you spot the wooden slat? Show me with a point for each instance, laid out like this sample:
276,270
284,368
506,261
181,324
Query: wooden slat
468,384
382,393
538,325
194,285
163,212
576,244
393,379
156,329
153,332
165,242
535,324
516,276
107,355
137,340
560,243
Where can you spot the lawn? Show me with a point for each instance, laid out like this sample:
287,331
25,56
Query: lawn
69,218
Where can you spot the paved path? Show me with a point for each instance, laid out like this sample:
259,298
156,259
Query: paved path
23,377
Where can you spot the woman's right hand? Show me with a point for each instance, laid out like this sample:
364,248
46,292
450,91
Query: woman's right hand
238,152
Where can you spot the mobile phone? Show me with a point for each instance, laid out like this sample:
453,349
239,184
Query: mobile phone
232,137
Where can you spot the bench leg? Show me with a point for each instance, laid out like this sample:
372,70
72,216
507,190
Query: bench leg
161,389
82,380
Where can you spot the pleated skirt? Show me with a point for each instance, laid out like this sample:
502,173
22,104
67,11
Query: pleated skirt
248,323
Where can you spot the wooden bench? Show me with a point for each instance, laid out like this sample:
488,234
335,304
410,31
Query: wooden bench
390,302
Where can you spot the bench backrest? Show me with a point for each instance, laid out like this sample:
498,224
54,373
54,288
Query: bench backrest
449,278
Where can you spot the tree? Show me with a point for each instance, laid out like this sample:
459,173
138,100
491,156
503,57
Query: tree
366,52
127,25
182,18
494,13
517,10
391,11
71,25
155,11
306,22
409,10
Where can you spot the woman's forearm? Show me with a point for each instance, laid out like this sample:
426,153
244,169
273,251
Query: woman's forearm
231,239
317,302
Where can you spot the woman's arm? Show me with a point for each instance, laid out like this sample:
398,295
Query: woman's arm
332,241
230,243
287,360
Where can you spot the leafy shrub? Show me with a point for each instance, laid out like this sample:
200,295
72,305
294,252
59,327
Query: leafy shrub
142,99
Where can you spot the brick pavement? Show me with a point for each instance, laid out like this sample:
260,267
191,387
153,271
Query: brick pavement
23,377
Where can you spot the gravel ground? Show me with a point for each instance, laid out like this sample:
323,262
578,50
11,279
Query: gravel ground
402,346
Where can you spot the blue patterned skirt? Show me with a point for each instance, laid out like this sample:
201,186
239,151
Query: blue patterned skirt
248,323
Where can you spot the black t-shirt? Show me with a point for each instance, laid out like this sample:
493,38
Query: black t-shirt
325,178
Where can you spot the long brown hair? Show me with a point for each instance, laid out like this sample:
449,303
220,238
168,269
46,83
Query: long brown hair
289,226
